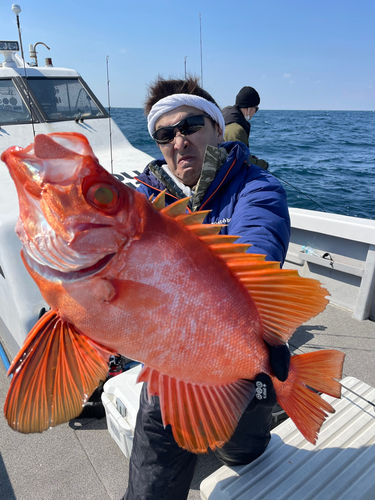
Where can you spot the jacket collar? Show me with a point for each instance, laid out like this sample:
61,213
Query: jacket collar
238,155
155,177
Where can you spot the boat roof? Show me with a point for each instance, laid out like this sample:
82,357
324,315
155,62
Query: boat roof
11,72
16,66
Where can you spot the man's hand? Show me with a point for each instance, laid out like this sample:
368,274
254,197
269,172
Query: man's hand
264,391
279,361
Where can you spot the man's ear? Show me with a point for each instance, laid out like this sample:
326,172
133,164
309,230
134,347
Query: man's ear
220,133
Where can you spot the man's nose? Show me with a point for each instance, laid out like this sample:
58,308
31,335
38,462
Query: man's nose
180,141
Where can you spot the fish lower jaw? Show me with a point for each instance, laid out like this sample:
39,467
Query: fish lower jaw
55,275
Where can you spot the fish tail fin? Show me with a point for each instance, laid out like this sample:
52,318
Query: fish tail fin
305,407
54,374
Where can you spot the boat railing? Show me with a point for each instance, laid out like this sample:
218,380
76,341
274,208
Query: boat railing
341,256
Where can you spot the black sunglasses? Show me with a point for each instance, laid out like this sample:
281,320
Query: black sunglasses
187,126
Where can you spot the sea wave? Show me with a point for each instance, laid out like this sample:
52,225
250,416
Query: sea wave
324,159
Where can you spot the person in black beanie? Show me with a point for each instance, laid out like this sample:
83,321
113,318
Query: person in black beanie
237,118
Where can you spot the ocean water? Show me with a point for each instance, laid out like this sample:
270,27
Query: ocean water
324,159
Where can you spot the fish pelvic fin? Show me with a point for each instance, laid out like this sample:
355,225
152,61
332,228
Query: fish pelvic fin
54,374
305,407
201,416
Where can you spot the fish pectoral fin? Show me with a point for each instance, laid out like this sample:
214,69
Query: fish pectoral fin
201,416
132,295
54,374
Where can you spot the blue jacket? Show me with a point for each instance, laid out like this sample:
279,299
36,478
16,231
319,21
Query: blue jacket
246,197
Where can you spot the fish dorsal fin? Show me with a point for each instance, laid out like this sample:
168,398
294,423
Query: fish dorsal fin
284,299
54,374
206,229
215,239
224,248
192,218
177,208
159,201
201,416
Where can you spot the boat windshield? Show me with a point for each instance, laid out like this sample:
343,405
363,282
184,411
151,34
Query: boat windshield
65,99
12,107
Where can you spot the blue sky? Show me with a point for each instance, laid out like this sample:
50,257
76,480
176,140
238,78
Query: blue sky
298,54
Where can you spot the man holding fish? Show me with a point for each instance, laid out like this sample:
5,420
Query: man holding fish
208,317
188,126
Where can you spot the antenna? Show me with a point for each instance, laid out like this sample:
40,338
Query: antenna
185,66
200,29
109,121
17,9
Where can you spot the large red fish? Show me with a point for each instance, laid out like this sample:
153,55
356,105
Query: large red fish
155,284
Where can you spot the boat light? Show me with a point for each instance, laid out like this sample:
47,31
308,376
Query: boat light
7,49
11,46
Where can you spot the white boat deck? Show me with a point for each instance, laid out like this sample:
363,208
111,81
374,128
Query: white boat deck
81,460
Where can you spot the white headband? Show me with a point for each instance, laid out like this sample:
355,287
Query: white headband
175,100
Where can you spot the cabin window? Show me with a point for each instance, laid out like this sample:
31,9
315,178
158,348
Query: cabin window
12,107
64,99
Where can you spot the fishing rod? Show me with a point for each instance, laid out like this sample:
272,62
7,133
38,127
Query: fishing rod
356,394
200,30
109,121
301,192
342,385
17,9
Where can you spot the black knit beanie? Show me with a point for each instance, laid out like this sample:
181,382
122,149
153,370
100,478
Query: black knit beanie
247,97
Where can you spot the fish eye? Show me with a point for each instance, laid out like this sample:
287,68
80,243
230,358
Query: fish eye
104,197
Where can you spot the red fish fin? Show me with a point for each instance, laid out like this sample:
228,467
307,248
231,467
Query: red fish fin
55,372
174,209
284,299
192,218
306,408
177,208
206,229
159,202
214,239
201,416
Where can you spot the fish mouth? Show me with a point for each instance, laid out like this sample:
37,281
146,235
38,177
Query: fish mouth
54,159
54,275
